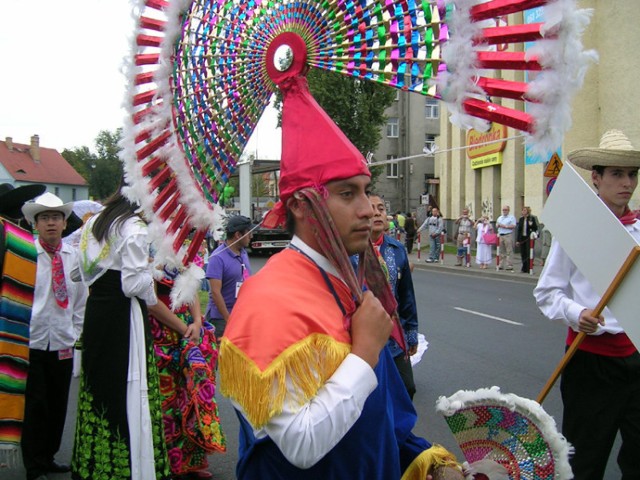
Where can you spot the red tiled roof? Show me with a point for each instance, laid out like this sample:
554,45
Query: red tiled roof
52,167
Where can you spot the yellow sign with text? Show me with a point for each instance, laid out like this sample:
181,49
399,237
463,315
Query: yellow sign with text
487,160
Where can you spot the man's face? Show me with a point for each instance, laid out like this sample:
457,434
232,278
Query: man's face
465,213
505,210
525,211
244,238
379,216
50,225
435,212
616,185
350,208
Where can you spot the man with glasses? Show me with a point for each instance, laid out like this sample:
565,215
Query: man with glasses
56,325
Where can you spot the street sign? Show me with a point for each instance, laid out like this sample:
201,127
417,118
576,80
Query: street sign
554,166
550,184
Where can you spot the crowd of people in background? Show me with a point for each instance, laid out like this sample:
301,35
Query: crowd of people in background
491,241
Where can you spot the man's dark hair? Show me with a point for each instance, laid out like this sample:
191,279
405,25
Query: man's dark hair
290,223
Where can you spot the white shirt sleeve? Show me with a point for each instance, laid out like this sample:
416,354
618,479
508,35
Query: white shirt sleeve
137,279
554,292
306,434
79,302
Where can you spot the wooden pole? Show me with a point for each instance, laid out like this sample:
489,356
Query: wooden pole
606,298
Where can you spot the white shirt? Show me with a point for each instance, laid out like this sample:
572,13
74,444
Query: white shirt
508,220
306,434
127,251
563,292
51,326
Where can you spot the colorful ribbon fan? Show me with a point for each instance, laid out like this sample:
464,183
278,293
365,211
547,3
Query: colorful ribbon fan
511,431
199,82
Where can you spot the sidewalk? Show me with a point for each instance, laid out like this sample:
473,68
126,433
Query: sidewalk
449,266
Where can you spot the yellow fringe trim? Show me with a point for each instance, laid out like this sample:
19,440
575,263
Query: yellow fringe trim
307,365
423,464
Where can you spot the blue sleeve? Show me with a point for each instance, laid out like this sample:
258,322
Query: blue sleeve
404,415
407,309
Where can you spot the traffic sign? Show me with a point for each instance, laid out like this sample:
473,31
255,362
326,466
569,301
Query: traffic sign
554,166
550,184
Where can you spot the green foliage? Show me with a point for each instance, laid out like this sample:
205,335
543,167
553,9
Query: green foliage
101,170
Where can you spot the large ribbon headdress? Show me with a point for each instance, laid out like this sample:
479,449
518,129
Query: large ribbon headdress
199,83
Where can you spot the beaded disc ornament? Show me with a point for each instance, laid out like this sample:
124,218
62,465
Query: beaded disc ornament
199,83
511,431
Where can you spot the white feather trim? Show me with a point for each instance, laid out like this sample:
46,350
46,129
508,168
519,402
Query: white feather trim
459,54
202,215
186,286
565,62
533,410
550,93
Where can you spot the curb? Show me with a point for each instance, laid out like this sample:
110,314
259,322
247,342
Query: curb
475,271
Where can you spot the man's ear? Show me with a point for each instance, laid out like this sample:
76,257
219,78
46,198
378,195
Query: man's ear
294,204
595,176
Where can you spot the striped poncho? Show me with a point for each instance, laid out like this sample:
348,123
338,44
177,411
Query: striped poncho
16,298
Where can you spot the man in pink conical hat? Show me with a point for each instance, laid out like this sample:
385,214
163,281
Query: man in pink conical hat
303,357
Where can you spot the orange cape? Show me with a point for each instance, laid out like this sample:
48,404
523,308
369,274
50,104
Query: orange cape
286,326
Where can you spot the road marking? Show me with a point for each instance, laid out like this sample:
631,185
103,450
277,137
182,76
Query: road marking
473,312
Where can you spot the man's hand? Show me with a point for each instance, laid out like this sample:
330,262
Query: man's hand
587,323
370,329
412,350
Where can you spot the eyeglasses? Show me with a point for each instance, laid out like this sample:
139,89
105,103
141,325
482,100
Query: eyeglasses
54,217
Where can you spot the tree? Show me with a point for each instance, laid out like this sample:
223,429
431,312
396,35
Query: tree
101,170
355,105
108,171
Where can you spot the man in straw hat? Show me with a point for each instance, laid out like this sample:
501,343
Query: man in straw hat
601,384
303,358
56,324
18,268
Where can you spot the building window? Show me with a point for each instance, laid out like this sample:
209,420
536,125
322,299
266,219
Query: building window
73,194
392,127
429,143
56,191
392,168
432,108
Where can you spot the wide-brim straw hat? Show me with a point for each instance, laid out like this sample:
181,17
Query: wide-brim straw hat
615,150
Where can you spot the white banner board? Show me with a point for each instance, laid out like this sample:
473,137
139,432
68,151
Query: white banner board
597,243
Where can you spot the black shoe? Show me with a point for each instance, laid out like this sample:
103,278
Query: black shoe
58,468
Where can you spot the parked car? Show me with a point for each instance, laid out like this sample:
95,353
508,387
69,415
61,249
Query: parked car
268,241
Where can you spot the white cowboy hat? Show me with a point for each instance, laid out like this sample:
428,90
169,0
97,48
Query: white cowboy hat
47,202
615,151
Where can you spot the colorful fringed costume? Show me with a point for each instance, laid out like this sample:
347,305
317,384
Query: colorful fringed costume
187,385
16,299
286,338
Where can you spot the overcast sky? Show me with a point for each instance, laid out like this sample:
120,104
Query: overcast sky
62,79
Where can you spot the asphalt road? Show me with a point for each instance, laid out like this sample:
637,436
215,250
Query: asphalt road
481,332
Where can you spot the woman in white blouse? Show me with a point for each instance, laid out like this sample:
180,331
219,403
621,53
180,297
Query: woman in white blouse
119,431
